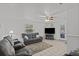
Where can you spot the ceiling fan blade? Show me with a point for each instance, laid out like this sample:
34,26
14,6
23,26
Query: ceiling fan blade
42,16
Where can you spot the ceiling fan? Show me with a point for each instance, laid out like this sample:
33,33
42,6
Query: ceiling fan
47,16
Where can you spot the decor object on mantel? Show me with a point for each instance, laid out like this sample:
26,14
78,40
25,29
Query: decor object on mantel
29,28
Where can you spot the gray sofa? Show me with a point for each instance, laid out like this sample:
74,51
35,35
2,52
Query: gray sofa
31,38
7,48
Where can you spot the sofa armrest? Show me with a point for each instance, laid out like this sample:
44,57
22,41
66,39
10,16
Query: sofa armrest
19,46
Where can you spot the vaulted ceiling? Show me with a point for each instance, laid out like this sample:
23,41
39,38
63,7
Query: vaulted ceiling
33,11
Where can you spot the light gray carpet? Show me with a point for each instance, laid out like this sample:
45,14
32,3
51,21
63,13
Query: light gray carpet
37,47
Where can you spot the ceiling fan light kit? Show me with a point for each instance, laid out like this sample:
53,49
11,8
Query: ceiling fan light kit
47,20
51,18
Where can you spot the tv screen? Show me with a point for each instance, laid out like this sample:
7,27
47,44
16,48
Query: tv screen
50,30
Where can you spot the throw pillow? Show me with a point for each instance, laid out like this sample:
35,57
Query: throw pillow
26,37
37,35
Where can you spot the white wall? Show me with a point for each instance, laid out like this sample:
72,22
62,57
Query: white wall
16,16
73,28
60,19
11,18
32,15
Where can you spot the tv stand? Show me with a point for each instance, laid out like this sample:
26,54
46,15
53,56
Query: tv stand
49,36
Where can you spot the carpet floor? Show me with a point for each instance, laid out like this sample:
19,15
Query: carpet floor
37,47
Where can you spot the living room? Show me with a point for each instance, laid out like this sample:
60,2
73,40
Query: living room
16,18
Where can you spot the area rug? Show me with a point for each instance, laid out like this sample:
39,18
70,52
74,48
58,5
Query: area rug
37,47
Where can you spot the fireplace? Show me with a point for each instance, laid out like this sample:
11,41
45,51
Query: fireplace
49,33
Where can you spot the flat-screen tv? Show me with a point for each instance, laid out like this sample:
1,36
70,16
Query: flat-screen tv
49,30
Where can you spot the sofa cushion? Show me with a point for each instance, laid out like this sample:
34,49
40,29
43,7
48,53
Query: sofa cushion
26,37
6,49
31,41
29,35
37,35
